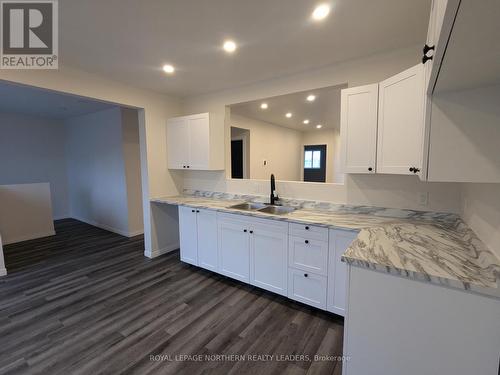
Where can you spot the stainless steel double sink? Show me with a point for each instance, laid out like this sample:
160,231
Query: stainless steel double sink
261,207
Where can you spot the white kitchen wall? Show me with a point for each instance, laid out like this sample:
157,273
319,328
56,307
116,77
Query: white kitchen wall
378,190
97,170
481,211
32,151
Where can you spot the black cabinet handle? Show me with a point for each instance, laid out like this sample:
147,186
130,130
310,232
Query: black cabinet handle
251,232
306,241
306,275
197,210
428,48
183,166
192,211
414,170
187,166
370,169
307,228
426,58
244,230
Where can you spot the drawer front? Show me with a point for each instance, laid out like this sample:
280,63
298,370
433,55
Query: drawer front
308,255
307,288
311,232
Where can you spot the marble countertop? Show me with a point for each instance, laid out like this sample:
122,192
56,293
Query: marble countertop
433,247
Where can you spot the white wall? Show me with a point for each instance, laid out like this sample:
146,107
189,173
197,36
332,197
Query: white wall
32,151
270,142
155,110
481,211
97,176
132,160
26,212
380,190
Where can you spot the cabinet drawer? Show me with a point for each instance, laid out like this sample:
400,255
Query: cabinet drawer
309,232
307,288
308,255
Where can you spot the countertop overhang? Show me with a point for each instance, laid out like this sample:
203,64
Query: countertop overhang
432,247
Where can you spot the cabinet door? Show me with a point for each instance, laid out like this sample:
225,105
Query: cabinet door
337,270
307,288
358,128
207,239
188,235
308,255
401,122
177,143
268,257
233,249
199,138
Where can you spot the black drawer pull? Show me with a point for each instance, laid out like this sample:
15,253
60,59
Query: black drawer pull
244,230
306,241
251,232
192,211
306,275
197,210
307,228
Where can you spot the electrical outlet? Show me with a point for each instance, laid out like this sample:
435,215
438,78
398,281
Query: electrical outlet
423,199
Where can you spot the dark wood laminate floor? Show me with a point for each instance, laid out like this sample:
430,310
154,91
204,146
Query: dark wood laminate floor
87,301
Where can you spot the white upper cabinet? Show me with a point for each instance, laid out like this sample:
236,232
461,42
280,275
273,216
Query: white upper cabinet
194,143
401,129
358,128
178,151
438,8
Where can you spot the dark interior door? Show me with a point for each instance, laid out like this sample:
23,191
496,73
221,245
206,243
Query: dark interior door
315,163
237,159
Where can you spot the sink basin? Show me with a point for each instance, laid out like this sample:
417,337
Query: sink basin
277,210
248,206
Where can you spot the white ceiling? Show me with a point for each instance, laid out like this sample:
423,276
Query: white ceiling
324,110
37,102
130,40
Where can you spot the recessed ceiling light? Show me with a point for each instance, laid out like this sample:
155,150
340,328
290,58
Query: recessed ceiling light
229,46
311,98
169,69
264,106
288,115
305,122
319,126
321,12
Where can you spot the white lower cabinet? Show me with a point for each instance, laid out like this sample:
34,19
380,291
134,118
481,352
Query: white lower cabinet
268,256
198,237
340,240
206,221
308,288
234,247
302,262
188,236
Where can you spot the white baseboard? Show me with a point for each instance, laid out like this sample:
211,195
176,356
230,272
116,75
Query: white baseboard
3,272
166,249
27,237
107,227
